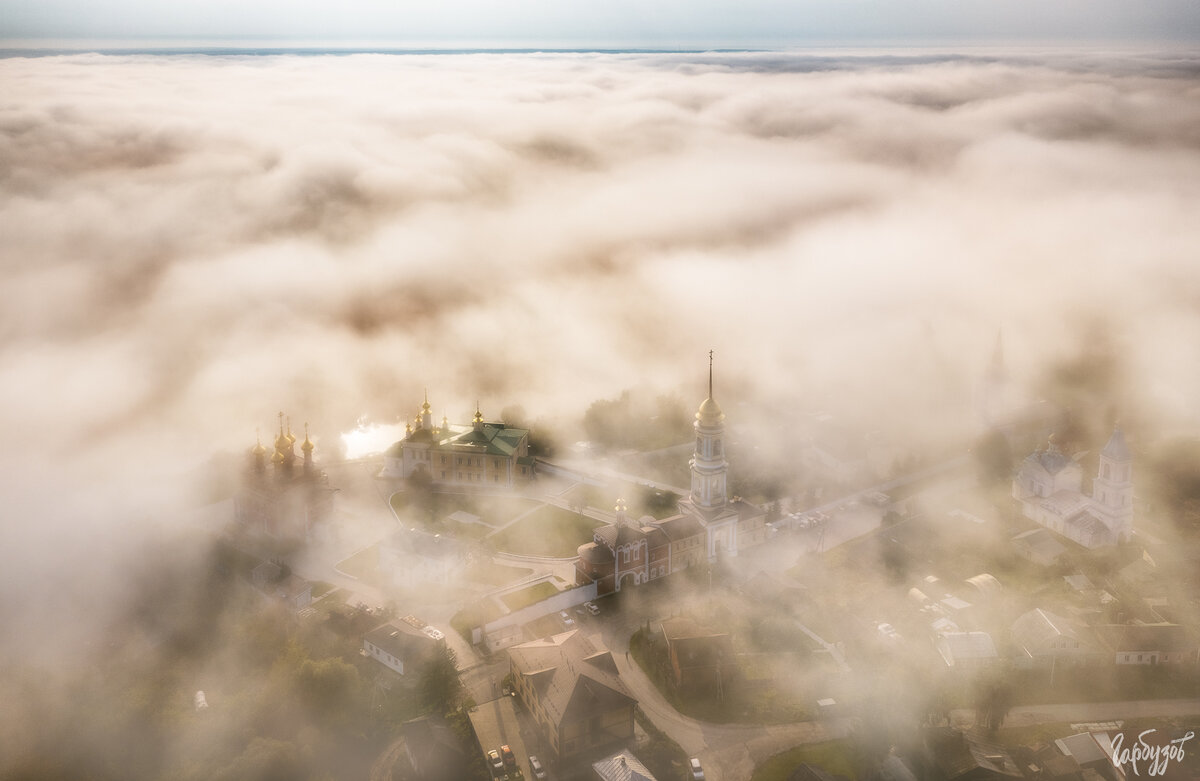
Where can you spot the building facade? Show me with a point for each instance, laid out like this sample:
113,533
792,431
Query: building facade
1049,483
481,455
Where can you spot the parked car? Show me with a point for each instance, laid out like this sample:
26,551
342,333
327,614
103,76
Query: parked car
495,763
566,618
592,608
433,634
697,771
535,765
510,759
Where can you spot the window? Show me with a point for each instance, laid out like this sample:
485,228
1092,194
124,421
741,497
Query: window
443,472
443,461
458,461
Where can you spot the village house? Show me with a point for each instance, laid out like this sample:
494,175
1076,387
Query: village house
399,647
574,693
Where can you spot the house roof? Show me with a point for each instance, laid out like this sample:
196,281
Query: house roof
1084,747
401,641
571,677
596,554
958,753
622,766
1037,628
964,646
679,527
1051,459
986,584
492,438
655,538
615,536
1041,542
1132,638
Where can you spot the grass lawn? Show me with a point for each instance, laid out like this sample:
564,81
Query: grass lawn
834,756
320,588
529,595
493,574
363,565
547,531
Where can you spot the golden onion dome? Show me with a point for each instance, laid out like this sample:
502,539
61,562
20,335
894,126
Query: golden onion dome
259,449
277,458
308,445
291,438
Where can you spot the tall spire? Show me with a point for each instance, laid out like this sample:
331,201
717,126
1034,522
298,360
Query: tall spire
710,354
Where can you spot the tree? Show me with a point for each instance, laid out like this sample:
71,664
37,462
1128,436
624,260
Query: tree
440,687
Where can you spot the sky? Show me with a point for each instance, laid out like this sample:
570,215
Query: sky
666,23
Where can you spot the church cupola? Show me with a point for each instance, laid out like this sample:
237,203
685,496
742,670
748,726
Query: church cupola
260,454
477,423
426,419
709,469
307,447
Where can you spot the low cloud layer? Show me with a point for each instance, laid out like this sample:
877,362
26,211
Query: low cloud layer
192,243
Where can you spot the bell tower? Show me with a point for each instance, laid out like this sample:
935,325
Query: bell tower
1112,490
709,469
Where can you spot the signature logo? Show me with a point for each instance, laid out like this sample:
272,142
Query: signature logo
1158,756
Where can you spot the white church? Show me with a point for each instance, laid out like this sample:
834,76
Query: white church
1049,486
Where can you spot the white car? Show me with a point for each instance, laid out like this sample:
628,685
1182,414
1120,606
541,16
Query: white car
592,608
535,765
566,618
696,770
432,633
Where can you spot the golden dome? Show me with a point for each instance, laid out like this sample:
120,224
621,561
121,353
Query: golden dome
277,458
308,445
291,438
258,446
